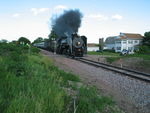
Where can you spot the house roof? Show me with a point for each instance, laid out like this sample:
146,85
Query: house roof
131,36
110,40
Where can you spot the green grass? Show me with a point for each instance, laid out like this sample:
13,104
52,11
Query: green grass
138,55
30,83
103,53
111,57
89,102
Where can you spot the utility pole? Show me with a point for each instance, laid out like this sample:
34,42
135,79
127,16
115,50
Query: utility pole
101,44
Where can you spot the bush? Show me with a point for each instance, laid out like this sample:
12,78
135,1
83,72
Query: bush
109,50
144,49
35,50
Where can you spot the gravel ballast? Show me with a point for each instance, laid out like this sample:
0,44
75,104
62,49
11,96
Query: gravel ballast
130,94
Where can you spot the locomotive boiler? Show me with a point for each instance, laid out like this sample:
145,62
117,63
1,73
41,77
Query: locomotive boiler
74,45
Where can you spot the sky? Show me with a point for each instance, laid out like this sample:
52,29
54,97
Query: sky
101,18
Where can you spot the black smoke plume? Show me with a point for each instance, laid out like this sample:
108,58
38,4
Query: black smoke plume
67,23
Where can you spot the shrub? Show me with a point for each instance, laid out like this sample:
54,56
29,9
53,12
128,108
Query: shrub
109,50
35,50
144,49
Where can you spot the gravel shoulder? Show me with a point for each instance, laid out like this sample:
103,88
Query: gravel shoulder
130,94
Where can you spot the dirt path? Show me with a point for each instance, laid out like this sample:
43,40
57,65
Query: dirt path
130,94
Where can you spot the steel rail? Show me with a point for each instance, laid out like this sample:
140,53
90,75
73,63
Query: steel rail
124,71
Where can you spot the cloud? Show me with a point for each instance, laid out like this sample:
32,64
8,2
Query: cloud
16,15
37,11
60,7
117,17
97,16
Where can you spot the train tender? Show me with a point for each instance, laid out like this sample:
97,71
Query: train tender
74,45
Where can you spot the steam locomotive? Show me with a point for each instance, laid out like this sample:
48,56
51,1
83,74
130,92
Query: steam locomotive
74,45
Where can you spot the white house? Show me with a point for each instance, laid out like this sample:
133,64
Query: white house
110,42
127,41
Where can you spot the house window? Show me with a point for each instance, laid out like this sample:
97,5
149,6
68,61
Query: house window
118,42
135,41
130,42
124,42
118,48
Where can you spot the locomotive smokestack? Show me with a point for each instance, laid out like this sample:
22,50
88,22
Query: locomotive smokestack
67,23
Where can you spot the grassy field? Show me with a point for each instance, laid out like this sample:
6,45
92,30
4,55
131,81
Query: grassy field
103,53
30,83
111,56
143,56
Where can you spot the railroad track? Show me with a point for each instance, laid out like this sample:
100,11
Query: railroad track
131,73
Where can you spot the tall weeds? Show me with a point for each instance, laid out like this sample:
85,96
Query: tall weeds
30,83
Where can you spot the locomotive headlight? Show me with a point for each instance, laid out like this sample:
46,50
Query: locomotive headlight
78,43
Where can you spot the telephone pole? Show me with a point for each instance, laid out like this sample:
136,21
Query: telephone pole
101,44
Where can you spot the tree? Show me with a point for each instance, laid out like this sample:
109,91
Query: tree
39,39
46,39
14,42
145,47
146,39
3,41
52,35
23,40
